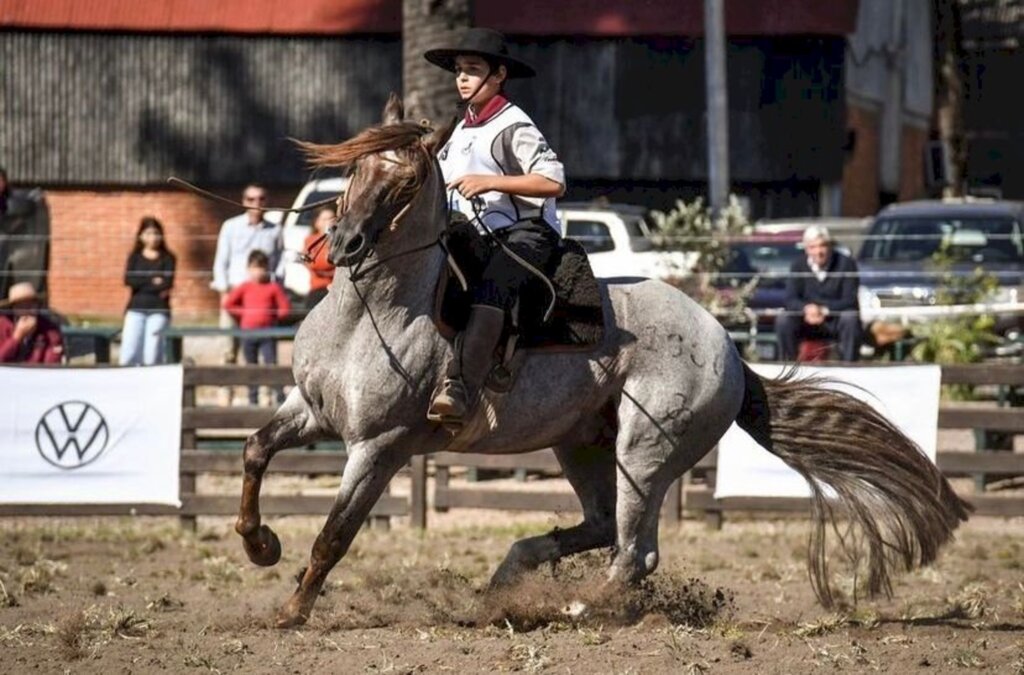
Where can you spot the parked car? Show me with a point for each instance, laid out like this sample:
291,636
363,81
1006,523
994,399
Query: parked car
617,238
847,233
897,265
25,241
297,226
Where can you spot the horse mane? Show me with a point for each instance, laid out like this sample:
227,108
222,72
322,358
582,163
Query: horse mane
396,136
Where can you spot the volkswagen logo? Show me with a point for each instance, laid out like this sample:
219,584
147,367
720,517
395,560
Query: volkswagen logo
72,434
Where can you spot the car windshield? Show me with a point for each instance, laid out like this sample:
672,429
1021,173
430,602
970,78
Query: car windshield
637,230
770,259
306,217
978,240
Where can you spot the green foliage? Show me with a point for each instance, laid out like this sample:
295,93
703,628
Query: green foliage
691,227
956,339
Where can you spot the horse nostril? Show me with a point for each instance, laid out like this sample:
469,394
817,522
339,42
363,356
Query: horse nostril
354,245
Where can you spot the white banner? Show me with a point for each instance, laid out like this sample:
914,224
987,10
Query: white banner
907,395
90,436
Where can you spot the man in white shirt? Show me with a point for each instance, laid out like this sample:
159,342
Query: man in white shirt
238,237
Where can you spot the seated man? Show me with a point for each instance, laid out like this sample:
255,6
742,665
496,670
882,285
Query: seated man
27,335
821,299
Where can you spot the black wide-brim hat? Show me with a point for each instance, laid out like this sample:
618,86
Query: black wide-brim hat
484,42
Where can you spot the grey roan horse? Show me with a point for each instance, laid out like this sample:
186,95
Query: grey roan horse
625,419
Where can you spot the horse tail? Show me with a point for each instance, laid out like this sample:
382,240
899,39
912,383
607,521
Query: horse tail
882,481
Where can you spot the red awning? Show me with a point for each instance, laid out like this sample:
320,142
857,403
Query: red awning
600,18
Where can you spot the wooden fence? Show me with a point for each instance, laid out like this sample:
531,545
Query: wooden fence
694,493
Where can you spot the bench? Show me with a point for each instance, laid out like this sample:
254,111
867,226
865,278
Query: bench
174,336
79,340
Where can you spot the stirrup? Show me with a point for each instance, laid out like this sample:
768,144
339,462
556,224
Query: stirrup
454,389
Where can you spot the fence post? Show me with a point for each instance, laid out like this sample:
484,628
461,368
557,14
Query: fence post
418,493
187,481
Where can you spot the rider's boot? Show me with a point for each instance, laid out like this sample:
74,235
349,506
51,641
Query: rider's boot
474,352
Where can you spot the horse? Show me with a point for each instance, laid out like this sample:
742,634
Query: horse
625,418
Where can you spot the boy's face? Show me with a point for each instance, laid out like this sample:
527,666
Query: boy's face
470,71
258,273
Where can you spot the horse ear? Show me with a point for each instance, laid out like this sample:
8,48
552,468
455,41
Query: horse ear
393,110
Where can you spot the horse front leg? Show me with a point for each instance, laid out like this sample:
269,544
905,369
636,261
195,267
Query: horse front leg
369,468
292,425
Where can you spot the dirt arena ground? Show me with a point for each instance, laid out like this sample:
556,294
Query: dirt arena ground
139,596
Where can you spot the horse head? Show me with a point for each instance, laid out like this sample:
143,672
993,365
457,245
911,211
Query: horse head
393,169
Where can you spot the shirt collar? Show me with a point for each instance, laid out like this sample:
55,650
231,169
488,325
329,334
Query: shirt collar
490,109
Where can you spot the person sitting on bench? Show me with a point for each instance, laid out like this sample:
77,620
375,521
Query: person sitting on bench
821,299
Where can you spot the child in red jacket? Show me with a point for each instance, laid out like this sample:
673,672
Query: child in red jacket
258,303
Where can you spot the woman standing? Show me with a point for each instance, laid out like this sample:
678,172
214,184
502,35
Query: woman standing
150,275
321,272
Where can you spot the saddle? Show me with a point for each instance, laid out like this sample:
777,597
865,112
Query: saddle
576,321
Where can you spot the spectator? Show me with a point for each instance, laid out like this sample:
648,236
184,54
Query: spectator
258,303
5,192
821,299
240,236
150,275
321,272
27,334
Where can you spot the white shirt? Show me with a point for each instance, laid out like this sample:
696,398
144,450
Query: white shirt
507,144
236,240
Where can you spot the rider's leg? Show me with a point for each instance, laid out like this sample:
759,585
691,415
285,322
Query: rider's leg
474,350
501,282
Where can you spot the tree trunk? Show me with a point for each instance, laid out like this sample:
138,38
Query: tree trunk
429,92
949,91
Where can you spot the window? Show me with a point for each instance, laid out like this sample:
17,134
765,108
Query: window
306,217
594,235
978,240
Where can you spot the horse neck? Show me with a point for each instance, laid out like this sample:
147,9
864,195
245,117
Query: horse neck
402,280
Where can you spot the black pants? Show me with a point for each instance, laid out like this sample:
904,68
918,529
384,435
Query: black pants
252,349
503,278
844,327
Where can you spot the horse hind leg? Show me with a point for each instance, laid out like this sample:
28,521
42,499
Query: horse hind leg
292,425
590,469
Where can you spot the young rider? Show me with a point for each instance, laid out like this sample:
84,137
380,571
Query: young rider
500,173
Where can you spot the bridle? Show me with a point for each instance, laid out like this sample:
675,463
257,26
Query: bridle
358,271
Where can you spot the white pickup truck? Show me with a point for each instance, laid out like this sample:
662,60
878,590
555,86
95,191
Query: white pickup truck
616,237
618,241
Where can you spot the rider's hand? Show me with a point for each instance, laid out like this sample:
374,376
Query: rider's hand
471,185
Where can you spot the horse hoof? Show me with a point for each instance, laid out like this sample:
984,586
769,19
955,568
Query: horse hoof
264,548
289,620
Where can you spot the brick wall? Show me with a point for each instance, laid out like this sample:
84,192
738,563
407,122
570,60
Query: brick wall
92,233
860,171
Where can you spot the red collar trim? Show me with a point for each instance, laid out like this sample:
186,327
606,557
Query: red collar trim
490,109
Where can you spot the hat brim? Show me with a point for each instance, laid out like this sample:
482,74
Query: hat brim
5,303
445,58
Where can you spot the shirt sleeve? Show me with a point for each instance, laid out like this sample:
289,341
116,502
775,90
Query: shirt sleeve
221,260
283,306
54,352
8,343
535,155
233,302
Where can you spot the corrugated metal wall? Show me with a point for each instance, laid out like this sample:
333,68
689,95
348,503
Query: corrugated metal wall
133,109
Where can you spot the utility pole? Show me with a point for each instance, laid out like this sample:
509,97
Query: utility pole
717,114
